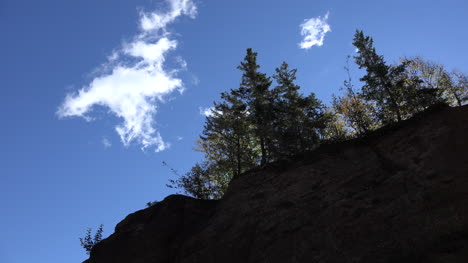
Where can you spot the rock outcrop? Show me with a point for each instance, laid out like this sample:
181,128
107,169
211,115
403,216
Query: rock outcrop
398,195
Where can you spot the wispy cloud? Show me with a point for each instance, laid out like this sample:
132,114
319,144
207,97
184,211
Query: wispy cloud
157,20
106,142
313,30
134,79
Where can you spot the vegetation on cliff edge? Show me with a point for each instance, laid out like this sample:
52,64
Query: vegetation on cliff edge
261,122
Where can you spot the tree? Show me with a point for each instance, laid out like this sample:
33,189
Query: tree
315,121
382,82
87,242
254,92
336,129
358,114
203,181
235,136
287,111
252,126
459,87
228,136
427,83
298,121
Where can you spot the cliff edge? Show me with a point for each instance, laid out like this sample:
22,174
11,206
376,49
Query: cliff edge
398,195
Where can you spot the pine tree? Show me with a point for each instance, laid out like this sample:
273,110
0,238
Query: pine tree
254,91
252,126
287,112
227,137
299,121
382,82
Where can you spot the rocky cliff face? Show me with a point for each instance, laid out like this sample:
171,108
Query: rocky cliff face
398,195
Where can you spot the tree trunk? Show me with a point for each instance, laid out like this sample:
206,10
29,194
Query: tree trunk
392,99
264,154
238,156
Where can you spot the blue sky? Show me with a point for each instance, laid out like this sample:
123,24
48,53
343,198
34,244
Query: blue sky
148,68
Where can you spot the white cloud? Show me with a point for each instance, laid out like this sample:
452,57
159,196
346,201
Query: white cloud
208,112
134,80
313,30
155,21
106,142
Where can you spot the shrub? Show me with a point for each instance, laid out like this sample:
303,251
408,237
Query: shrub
87,242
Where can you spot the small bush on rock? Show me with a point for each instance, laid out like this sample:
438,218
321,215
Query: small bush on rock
87,242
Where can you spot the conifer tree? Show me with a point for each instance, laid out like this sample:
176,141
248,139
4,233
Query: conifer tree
382,82
299,121
254,91
236,136
287,111
227,137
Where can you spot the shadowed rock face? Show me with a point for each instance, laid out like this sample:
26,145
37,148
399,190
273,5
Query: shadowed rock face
398,195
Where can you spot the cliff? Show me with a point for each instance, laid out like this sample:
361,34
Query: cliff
398,195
